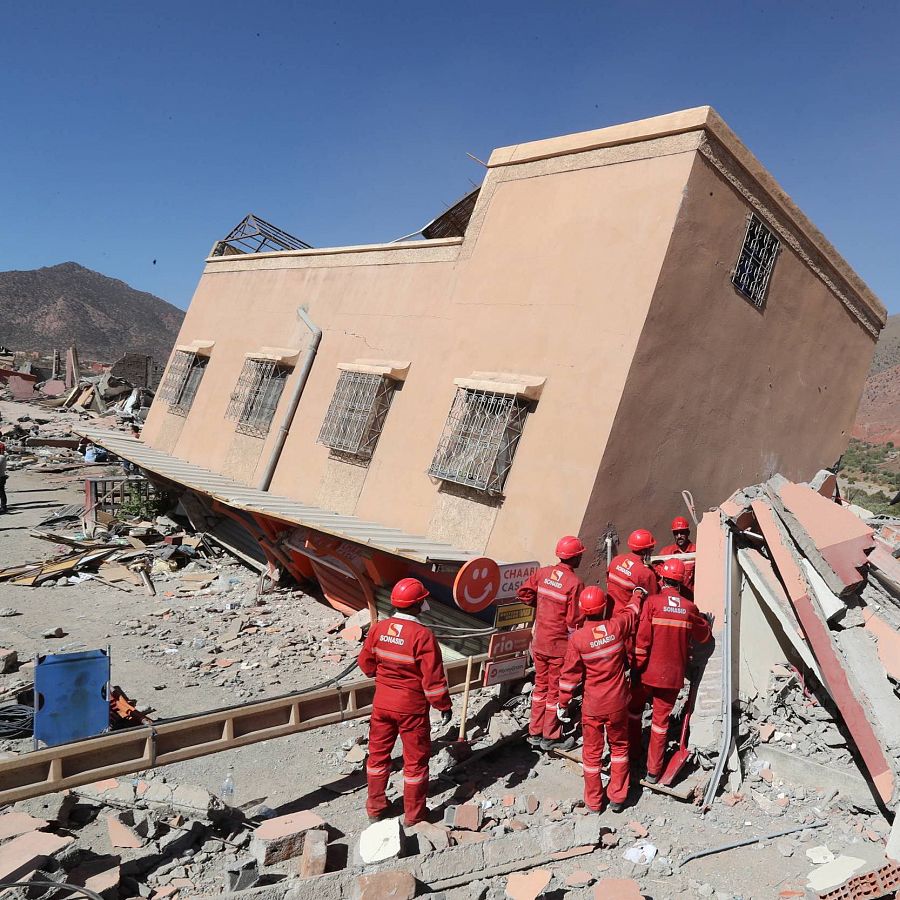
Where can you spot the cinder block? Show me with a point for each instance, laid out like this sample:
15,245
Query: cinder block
283,837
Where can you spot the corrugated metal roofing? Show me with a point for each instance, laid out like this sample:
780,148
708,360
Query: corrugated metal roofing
240,496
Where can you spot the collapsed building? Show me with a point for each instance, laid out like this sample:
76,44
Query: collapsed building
612,317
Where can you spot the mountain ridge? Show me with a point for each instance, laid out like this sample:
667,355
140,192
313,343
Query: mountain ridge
56,306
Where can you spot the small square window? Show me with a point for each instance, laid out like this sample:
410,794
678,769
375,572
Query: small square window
754,266
356,413
256,395
182,380
479,439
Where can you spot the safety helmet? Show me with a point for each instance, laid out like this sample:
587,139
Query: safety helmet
569,547
673,569
680,523
641,540
408,592
592,600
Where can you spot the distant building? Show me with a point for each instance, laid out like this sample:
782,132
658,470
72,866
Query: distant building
615,316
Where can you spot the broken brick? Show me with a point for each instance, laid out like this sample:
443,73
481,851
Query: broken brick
468,816
396,885
527,885
617,889
283,837
16,823
315,853
637,829
122,835
27,852
579,878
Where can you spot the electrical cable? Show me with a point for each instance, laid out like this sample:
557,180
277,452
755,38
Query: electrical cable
709,851
16,721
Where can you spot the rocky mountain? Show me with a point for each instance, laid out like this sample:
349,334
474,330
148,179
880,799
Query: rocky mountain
878,416
57,306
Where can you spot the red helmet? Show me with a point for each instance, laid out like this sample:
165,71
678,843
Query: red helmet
408,592
641,540
673,569
569,547
593,600
680,523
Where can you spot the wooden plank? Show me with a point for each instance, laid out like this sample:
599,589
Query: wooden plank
144,747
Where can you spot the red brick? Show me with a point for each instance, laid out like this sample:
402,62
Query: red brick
617,889
121,835
527,885
579,878
532,804
396,885
15,823
352,634
315,853
637,829
283,837
24,854
468,816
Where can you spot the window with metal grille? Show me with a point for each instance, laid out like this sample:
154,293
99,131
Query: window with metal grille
176,375
356,413
754,266
256,394
185,399
479,439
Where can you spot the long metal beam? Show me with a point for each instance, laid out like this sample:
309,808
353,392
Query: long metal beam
175,740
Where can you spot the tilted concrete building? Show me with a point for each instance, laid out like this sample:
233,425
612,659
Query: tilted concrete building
617,315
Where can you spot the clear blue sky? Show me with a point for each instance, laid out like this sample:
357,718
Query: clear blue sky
138,132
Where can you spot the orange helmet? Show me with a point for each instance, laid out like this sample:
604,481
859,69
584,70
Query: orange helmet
593,601
408,592
673,569
569,547
641,540
680,523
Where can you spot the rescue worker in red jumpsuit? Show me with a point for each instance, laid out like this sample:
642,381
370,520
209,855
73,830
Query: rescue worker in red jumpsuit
631,571
598,656
668,624
405,659
554,590
681,531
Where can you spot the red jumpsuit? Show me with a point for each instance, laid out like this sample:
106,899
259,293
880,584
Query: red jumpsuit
675,550
555,590
598,654
668,623
405,659
626,572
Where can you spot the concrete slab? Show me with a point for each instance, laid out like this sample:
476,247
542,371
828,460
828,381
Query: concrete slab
853,711
888,642
832,607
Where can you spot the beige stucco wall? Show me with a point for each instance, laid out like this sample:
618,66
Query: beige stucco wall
555,280
720,394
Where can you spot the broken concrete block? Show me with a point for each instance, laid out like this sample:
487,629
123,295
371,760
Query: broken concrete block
587,830
196,800
380,841
832,607
437,835
100,875
527,885
242,874
834,540
28,852
9,659
453,863
833,874
282,837
15,823
314,857
396,885
468,816
52,807
121,834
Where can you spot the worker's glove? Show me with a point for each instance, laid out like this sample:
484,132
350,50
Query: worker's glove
561,714
446,716
710,618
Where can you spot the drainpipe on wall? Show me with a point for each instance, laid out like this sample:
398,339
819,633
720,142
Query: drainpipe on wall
300,384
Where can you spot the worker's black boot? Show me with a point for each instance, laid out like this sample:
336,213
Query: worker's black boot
534,740
615,806
651,779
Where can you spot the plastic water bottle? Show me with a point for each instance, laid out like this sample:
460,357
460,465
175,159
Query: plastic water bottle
227,792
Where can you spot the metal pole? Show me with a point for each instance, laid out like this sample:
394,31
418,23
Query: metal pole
302,377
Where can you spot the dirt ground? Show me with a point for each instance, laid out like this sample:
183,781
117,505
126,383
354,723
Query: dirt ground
288,774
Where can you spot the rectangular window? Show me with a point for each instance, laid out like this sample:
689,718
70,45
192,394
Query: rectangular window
182,380
754,266
256,395
356,413
479,439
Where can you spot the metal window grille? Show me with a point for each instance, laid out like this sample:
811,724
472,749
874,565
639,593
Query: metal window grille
176,375
479,440
256,394
754,266
356,413
182,404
